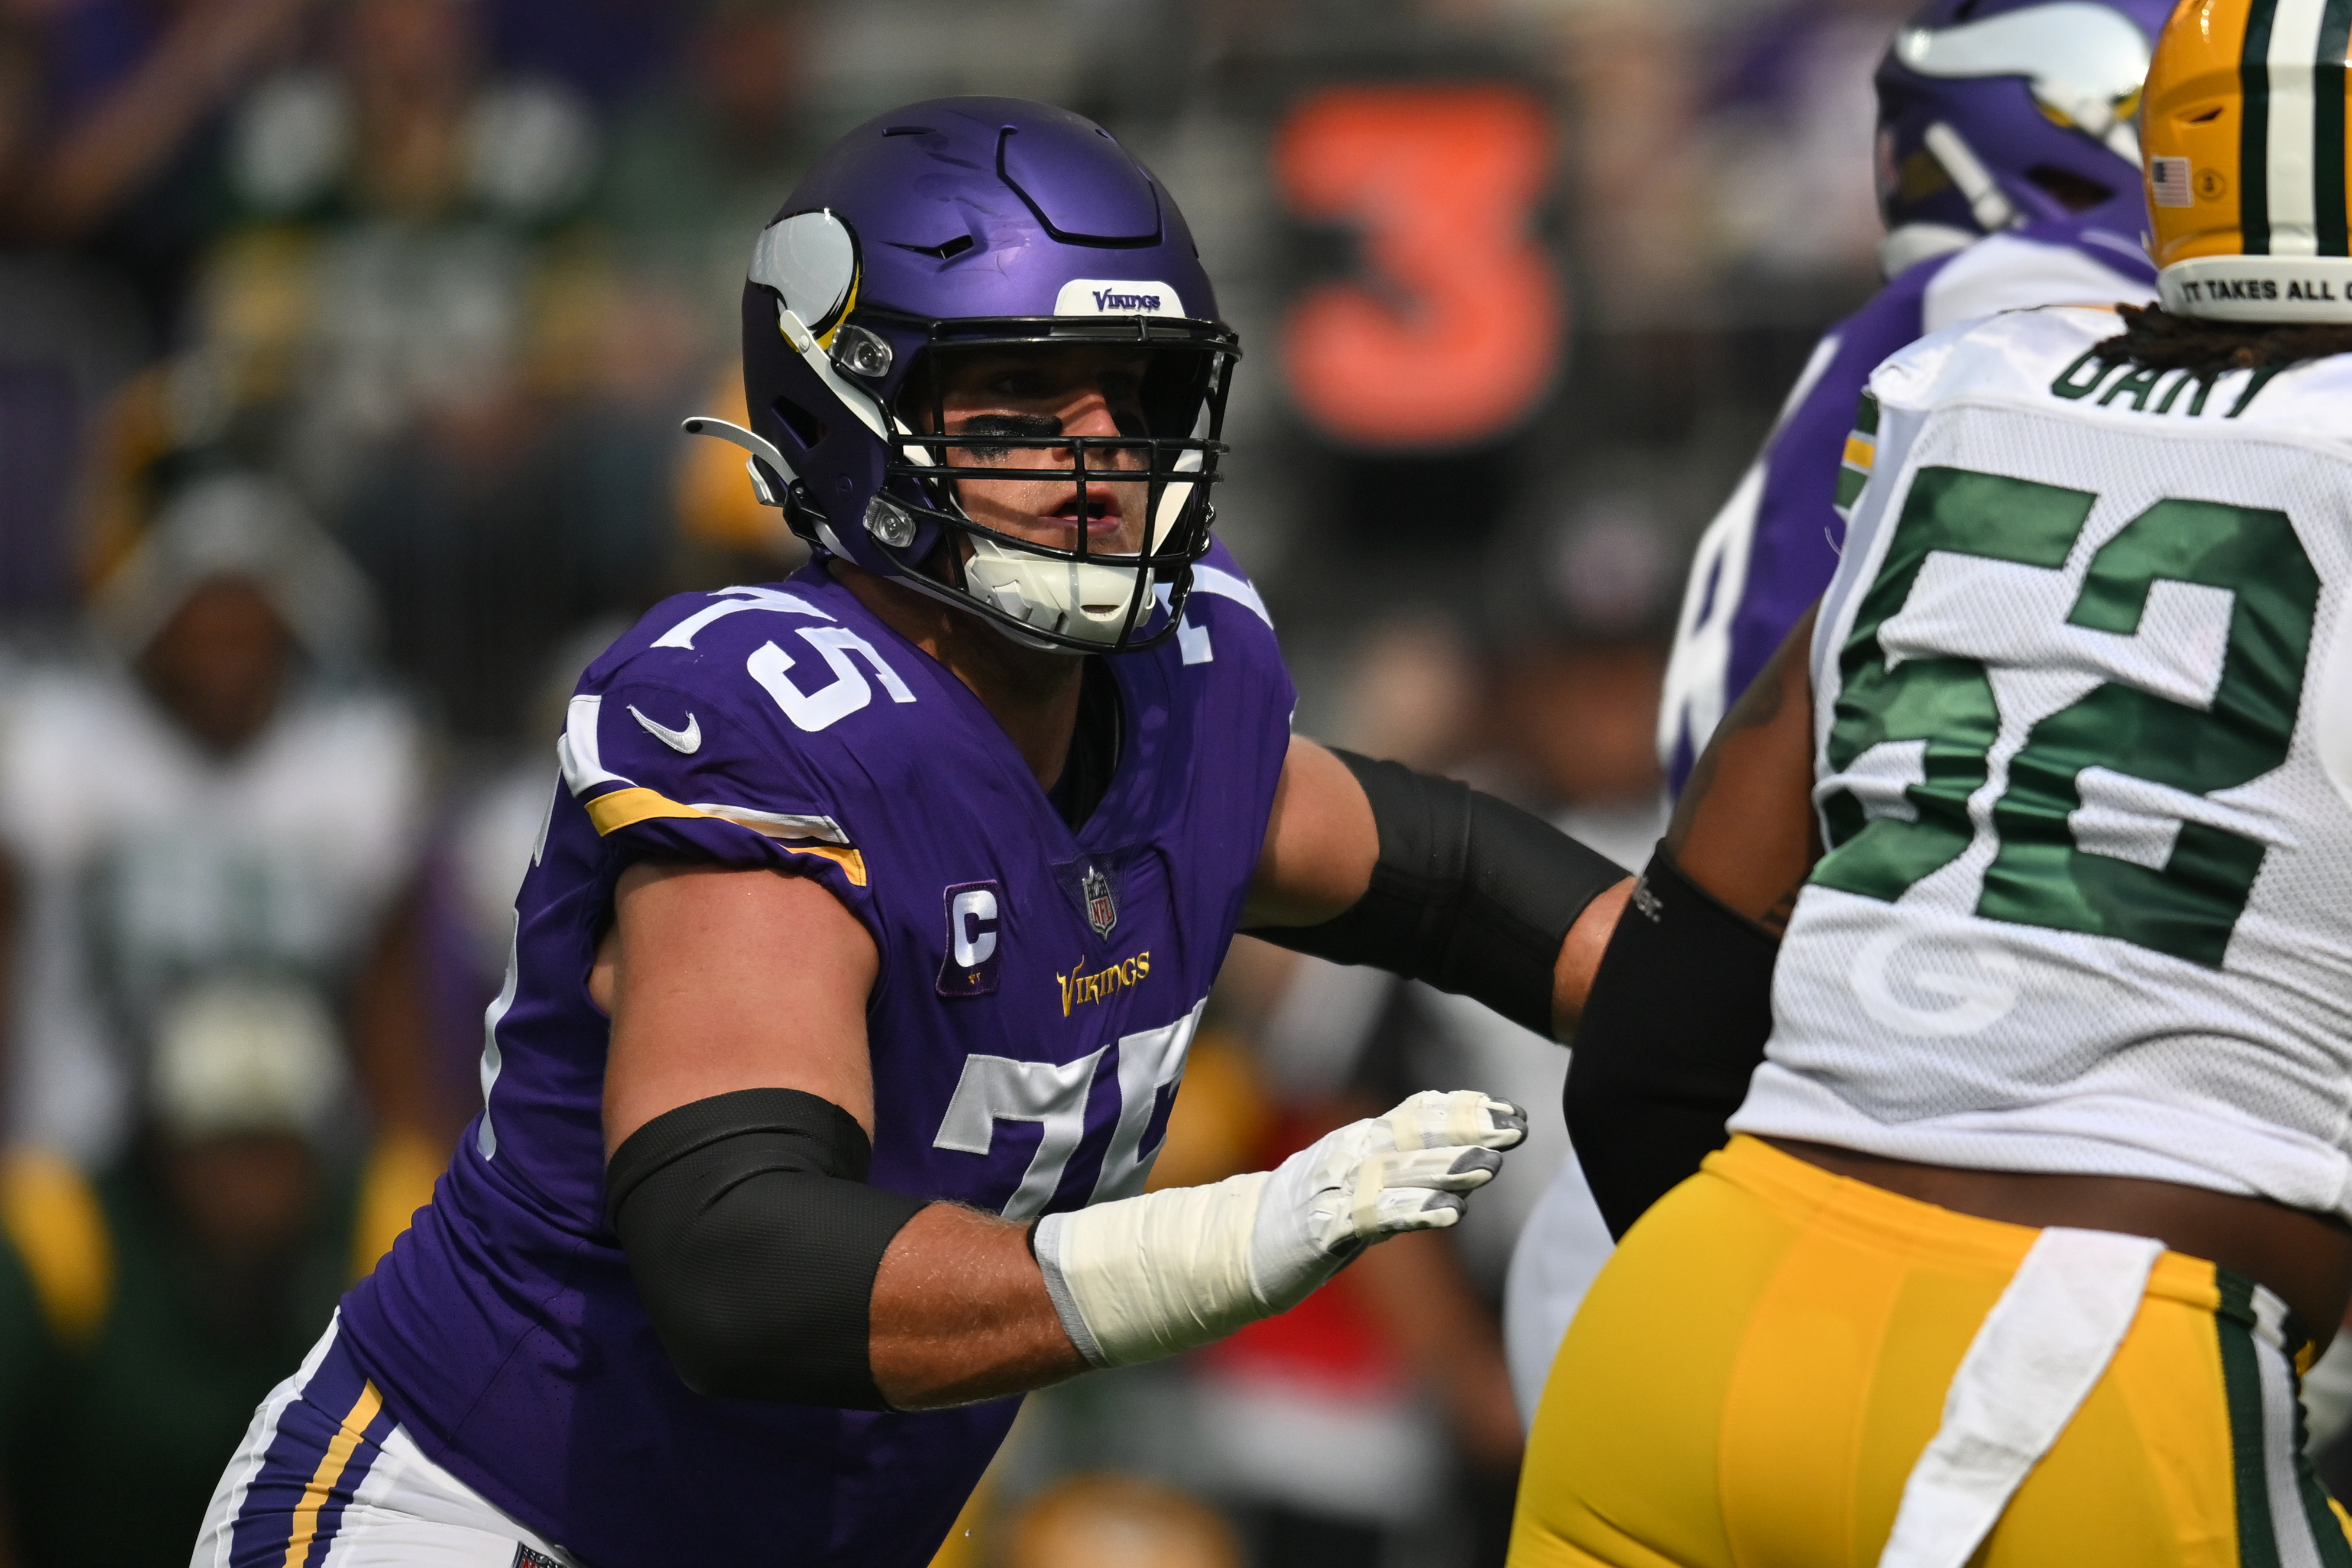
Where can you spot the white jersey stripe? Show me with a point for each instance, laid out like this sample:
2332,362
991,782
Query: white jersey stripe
2294,208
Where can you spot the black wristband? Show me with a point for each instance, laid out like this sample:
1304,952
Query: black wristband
1470,894
754,1242
1680,1011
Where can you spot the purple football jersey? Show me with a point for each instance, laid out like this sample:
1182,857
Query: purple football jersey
1038,990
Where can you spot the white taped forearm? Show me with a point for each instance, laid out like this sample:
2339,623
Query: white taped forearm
1148,1277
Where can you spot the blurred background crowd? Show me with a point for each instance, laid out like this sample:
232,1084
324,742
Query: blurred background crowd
342,349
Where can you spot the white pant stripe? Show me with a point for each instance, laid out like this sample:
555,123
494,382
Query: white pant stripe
2289,1522
411,1513
406,1512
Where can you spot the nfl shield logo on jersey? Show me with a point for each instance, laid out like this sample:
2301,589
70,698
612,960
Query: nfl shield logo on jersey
1102,908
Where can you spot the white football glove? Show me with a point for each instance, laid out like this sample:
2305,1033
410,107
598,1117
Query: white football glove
1148,1277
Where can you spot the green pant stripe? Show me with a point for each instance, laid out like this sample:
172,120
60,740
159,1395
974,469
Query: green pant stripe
2241,1388
2326,1534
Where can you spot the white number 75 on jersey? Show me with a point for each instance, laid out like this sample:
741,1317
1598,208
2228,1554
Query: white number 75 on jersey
1002,1089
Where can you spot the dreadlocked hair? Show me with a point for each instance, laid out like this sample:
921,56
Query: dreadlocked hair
2155,339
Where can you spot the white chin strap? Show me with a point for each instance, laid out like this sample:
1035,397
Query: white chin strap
1073,599
1083,601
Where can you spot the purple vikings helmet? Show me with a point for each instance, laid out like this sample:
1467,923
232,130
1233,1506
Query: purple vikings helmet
1994,113
982,223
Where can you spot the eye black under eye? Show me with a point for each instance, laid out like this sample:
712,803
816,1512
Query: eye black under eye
1027,426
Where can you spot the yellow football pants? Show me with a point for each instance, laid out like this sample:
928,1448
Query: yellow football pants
1755,1374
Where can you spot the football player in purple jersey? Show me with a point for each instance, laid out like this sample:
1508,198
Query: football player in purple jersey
856,966
2009,177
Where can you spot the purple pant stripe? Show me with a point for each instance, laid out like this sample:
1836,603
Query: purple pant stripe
347,1485
306,1429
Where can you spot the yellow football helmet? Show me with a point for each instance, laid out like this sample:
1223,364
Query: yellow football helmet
2242,132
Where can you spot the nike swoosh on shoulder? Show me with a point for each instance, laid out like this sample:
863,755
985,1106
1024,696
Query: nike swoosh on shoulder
689,740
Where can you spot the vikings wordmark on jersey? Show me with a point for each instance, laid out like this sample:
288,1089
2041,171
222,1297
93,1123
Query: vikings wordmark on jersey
1057,979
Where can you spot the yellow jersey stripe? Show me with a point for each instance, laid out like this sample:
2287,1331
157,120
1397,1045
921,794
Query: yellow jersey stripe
624,807
852,863
1860,452
332,1464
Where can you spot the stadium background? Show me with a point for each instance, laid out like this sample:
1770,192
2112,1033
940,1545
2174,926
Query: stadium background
392,307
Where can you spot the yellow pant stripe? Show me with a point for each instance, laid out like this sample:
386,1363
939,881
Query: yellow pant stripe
332,1464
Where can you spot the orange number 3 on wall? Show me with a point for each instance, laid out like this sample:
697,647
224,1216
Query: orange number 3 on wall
1459,333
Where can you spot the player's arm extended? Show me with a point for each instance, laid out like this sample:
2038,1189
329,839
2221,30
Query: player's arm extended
738,1113
745,992
1370,862
1682,1005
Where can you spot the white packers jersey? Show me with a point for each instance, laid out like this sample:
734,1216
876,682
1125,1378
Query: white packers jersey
145,865
2084,762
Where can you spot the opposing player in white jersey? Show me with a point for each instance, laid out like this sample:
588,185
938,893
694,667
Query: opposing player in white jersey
2008,177
2043,1180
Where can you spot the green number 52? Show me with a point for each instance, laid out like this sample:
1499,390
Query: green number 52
2185,901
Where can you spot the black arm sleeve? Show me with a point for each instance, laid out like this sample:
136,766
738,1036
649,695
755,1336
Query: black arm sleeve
1673,1029
755,1241
1470,894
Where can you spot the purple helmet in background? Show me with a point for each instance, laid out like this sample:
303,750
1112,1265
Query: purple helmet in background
982,223
1995,113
